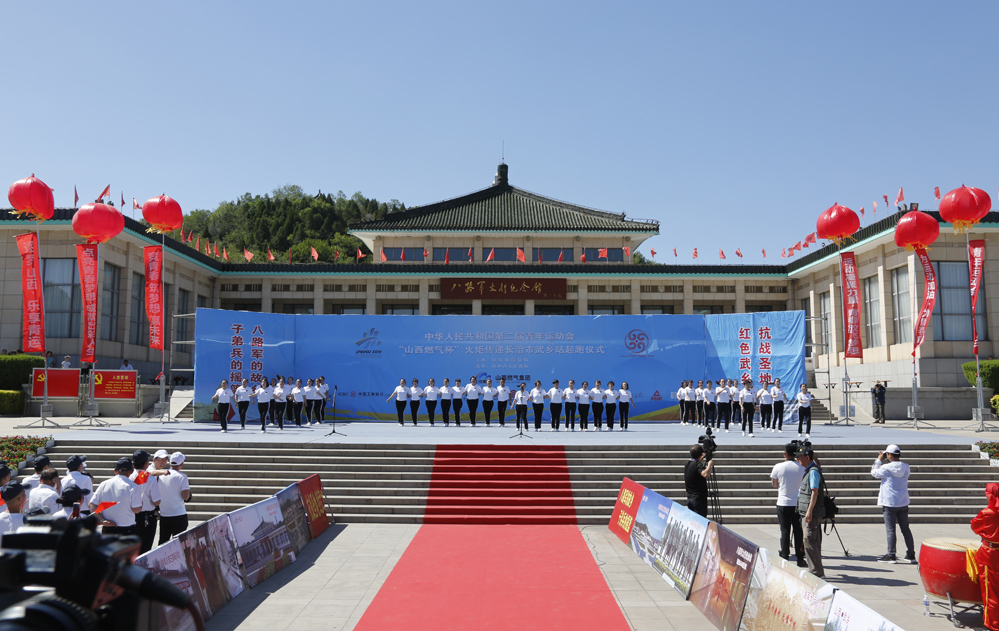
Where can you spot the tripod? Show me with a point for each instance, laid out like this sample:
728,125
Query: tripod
831,523
520,432
334,417
714,503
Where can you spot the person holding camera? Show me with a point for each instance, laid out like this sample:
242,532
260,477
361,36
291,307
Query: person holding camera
893,498
811,508
118,519
695,479
786,478
879,402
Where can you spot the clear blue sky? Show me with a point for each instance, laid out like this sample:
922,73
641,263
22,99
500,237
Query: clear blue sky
734,124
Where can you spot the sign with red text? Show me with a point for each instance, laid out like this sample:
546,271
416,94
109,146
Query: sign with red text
33,322
154,294
115,384
86,258
929,299
63,382
315,504
976,255
503,288
629,498
853,347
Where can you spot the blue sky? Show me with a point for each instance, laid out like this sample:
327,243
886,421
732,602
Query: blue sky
734,124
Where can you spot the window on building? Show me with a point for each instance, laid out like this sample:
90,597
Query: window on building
400,310
202,302
550,310
708,309
243,306
183,324
952,313
614,255
825,312
606,310
502,309
110,295
63,305
412,254
901,307
871,311
759,308
297,309
451,309
500,255
138,324
454,255
550,255
808,327
348,309
657,309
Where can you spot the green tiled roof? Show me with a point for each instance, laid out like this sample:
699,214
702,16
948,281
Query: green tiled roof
504,207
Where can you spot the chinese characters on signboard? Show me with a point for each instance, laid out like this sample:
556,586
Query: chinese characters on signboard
851,306
86,256
503,288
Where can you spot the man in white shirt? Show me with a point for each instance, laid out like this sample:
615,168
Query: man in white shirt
69,502
125,365
146,519
76,477
175,491
118,519
42,463
893,498
14,497
786,478
44,499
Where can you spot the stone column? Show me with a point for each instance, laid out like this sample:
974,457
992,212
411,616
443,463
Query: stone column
317,297
371,303
636,296
688,297
582,301
477,306
529,306
424,296
266,305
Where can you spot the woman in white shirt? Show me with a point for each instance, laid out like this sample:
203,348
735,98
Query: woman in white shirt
747,405
502,400
224,397
569,394
430,396
324,396
736,408
766,401
311,397
710,412
277,408
681,399
597,404
401,393
610,404
691,397
520,400
583,405
456,393
624,405
724,403
298,399
415,392
555,407
699,402
264,394
779,398
538,400
488,400
242,397
472,394
804,410
445,395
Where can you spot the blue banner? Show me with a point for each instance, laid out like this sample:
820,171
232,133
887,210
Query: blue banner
365,356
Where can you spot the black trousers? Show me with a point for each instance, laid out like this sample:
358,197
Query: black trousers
556,410
446,411
598,414
724,413
242,407
699,406
689,412
610,409
400,410
171,527
262,408
289,410
223,411
298,412
539,410
431,410
145,528
805,417
277,410
766,414
473,407
624,409
790,523
414,410
521,416
736,414
487,409
748,411
779,414
683,410
710,414
584,414
501,411
570,414
456,407
320,410
698,504
307,409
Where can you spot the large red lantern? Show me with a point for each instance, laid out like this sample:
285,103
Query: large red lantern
837,224
163,213
916,231
98,223
33,197
964,207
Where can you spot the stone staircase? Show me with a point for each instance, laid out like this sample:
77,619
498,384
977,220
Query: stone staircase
391,483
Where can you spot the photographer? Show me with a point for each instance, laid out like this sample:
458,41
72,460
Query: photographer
786,478
695,479
811,508
878,392
893,498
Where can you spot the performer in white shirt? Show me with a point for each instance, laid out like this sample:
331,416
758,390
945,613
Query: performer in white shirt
538,400
311,399
747,403
736,408
277,407
401,393
488,400
472,393
415,392
457,392
691,396
699,402
298,396
583,405
502,400
681,399
710,412
224,397
724,403
610,404
805,410
430,398
569,395
324,396
242,397
264,394
624,405
766,402
520,401
445,395
779,399
597,405
555,407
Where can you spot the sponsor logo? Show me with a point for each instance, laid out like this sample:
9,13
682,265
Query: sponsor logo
637,343
656,396
368,343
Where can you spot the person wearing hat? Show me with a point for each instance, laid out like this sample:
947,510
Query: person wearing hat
811,508
118,519
32,481
986,525
70,502
14,497
146,519
75,475
43,500
893,498
175,491
65,362
5,474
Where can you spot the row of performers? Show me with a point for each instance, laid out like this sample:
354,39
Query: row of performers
710,405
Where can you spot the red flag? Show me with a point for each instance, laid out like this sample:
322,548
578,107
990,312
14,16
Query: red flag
86,256
810,239
602,253
360,255
492,252
225,254
797,246
738,252
929,299
653,253
764,253
76,197
861,212
208,249
470,255
270,256
315,255
336,255
539,256
247,255
33,328
425,253
936,192
141,477
182,234
123,200
627,251
520,256
582,257
136,205
560,251
886,199
402,257
383,257
976,256
875,208
198,246
447,256
900,197
783,253
216,247
289,256
721,254
695,253
104,506
675,255
105,193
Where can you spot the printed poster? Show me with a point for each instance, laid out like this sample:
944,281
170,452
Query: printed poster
785,597
295,519
649,526
625,508
262,540
849,614
168,562
682,544
210,555
315,504
722,580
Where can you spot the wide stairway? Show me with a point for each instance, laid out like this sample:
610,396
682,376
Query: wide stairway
534,484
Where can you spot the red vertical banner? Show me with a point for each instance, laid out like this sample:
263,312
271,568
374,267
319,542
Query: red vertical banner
629,498
976,255
154,294
31,294
929,299
311,489
853,348
86,258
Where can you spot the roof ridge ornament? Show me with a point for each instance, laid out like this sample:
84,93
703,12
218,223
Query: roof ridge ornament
502,175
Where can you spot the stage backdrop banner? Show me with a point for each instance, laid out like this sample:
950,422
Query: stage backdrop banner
849,614
63,382
366,356
262,540
295,518
625,508
315,504
723,575
168,562
784,596
681,547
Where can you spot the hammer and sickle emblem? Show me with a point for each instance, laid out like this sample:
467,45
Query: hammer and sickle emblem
98,379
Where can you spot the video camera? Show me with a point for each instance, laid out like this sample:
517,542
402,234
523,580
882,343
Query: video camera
708,444
801,444
94,584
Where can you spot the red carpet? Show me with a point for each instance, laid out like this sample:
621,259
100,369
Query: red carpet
495,577
500,484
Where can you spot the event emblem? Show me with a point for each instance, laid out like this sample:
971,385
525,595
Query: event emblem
637,342
369,339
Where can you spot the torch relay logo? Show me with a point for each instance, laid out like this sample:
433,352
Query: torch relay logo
369,340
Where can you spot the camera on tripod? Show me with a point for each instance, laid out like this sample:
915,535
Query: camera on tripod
708,443
800,445
94,584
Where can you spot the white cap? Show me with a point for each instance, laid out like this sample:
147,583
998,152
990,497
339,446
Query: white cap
177,458
892,449
162,453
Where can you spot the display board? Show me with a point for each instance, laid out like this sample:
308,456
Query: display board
723,575
848,614
115,384
625,509
210,555
649,528
168,561
315,504
63,382
262,540
367,355
682,545
784,596
295,519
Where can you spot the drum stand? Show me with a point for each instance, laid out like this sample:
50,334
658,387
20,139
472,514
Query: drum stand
952,616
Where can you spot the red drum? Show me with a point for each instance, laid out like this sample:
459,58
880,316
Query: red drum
943,567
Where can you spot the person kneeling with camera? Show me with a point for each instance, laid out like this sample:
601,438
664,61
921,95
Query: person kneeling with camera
695,479
118,519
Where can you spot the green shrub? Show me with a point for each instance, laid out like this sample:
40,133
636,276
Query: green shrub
990,373
989,447
15,370
12,402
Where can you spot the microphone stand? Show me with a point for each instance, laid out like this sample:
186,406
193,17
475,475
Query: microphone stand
520,432
334,418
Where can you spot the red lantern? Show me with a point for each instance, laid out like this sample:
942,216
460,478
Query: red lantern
163,214
837,224
98,223
916,230
964,207
33,197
